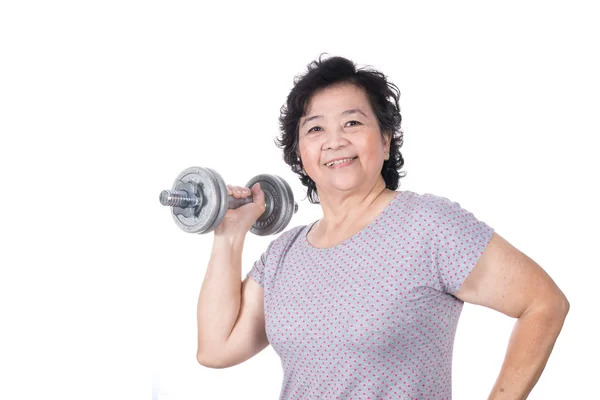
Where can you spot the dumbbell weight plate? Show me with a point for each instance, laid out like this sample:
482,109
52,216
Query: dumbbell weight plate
213,192
280,205
222,189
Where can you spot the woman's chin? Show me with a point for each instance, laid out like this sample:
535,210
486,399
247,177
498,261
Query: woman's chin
341,186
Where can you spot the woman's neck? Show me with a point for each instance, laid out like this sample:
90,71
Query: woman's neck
344,209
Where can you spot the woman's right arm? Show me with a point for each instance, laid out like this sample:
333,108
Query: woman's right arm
230,312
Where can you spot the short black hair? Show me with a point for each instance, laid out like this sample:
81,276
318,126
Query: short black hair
383,97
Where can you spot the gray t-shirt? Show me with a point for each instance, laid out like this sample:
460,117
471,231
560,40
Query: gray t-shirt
375,316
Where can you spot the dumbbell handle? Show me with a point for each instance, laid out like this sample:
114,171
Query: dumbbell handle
183,199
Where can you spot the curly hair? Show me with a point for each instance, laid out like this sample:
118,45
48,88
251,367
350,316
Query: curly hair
383,97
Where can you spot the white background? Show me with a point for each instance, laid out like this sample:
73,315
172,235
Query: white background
102,104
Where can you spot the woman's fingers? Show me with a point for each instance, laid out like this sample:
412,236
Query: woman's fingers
238,191
258,196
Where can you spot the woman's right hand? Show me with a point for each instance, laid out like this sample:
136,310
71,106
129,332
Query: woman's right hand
239,220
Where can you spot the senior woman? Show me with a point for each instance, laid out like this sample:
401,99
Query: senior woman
364,303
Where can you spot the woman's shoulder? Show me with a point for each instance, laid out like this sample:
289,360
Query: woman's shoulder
425,198
438,210
292,232
424,205
288,236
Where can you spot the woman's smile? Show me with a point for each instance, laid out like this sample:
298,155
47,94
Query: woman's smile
341,163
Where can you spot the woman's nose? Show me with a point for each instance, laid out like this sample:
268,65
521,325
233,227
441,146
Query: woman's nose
335,137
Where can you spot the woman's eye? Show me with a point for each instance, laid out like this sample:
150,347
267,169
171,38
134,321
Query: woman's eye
355,122
314,127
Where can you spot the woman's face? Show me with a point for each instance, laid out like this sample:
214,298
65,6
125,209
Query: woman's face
340,123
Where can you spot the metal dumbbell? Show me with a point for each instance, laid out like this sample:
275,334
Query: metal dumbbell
199,201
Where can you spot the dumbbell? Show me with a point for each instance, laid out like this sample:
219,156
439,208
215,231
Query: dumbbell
199,201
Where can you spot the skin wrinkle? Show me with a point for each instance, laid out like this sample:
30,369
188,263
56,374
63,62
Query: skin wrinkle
345,113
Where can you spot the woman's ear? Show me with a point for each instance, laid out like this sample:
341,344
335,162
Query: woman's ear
387,139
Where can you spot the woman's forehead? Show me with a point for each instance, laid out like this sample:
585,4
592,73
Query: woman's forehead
336,100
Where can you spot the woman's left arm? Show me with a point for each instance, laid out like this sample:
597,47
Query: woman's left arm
507,280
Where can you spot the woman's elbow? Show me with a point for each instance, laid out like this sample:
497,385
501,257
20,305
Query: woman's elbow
208,362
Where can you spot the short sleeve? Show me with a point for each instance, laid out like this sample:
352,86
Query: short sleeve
258,269
459,240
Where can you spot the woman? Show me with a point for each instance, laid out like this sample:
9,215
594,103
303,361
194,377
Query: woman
364,303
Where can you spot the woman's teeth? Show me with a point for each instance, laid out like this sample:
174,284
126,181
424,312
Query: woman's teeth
340,161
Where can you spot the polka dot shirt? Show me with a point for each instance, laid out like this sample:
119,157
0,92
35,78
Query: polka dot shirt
375,316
